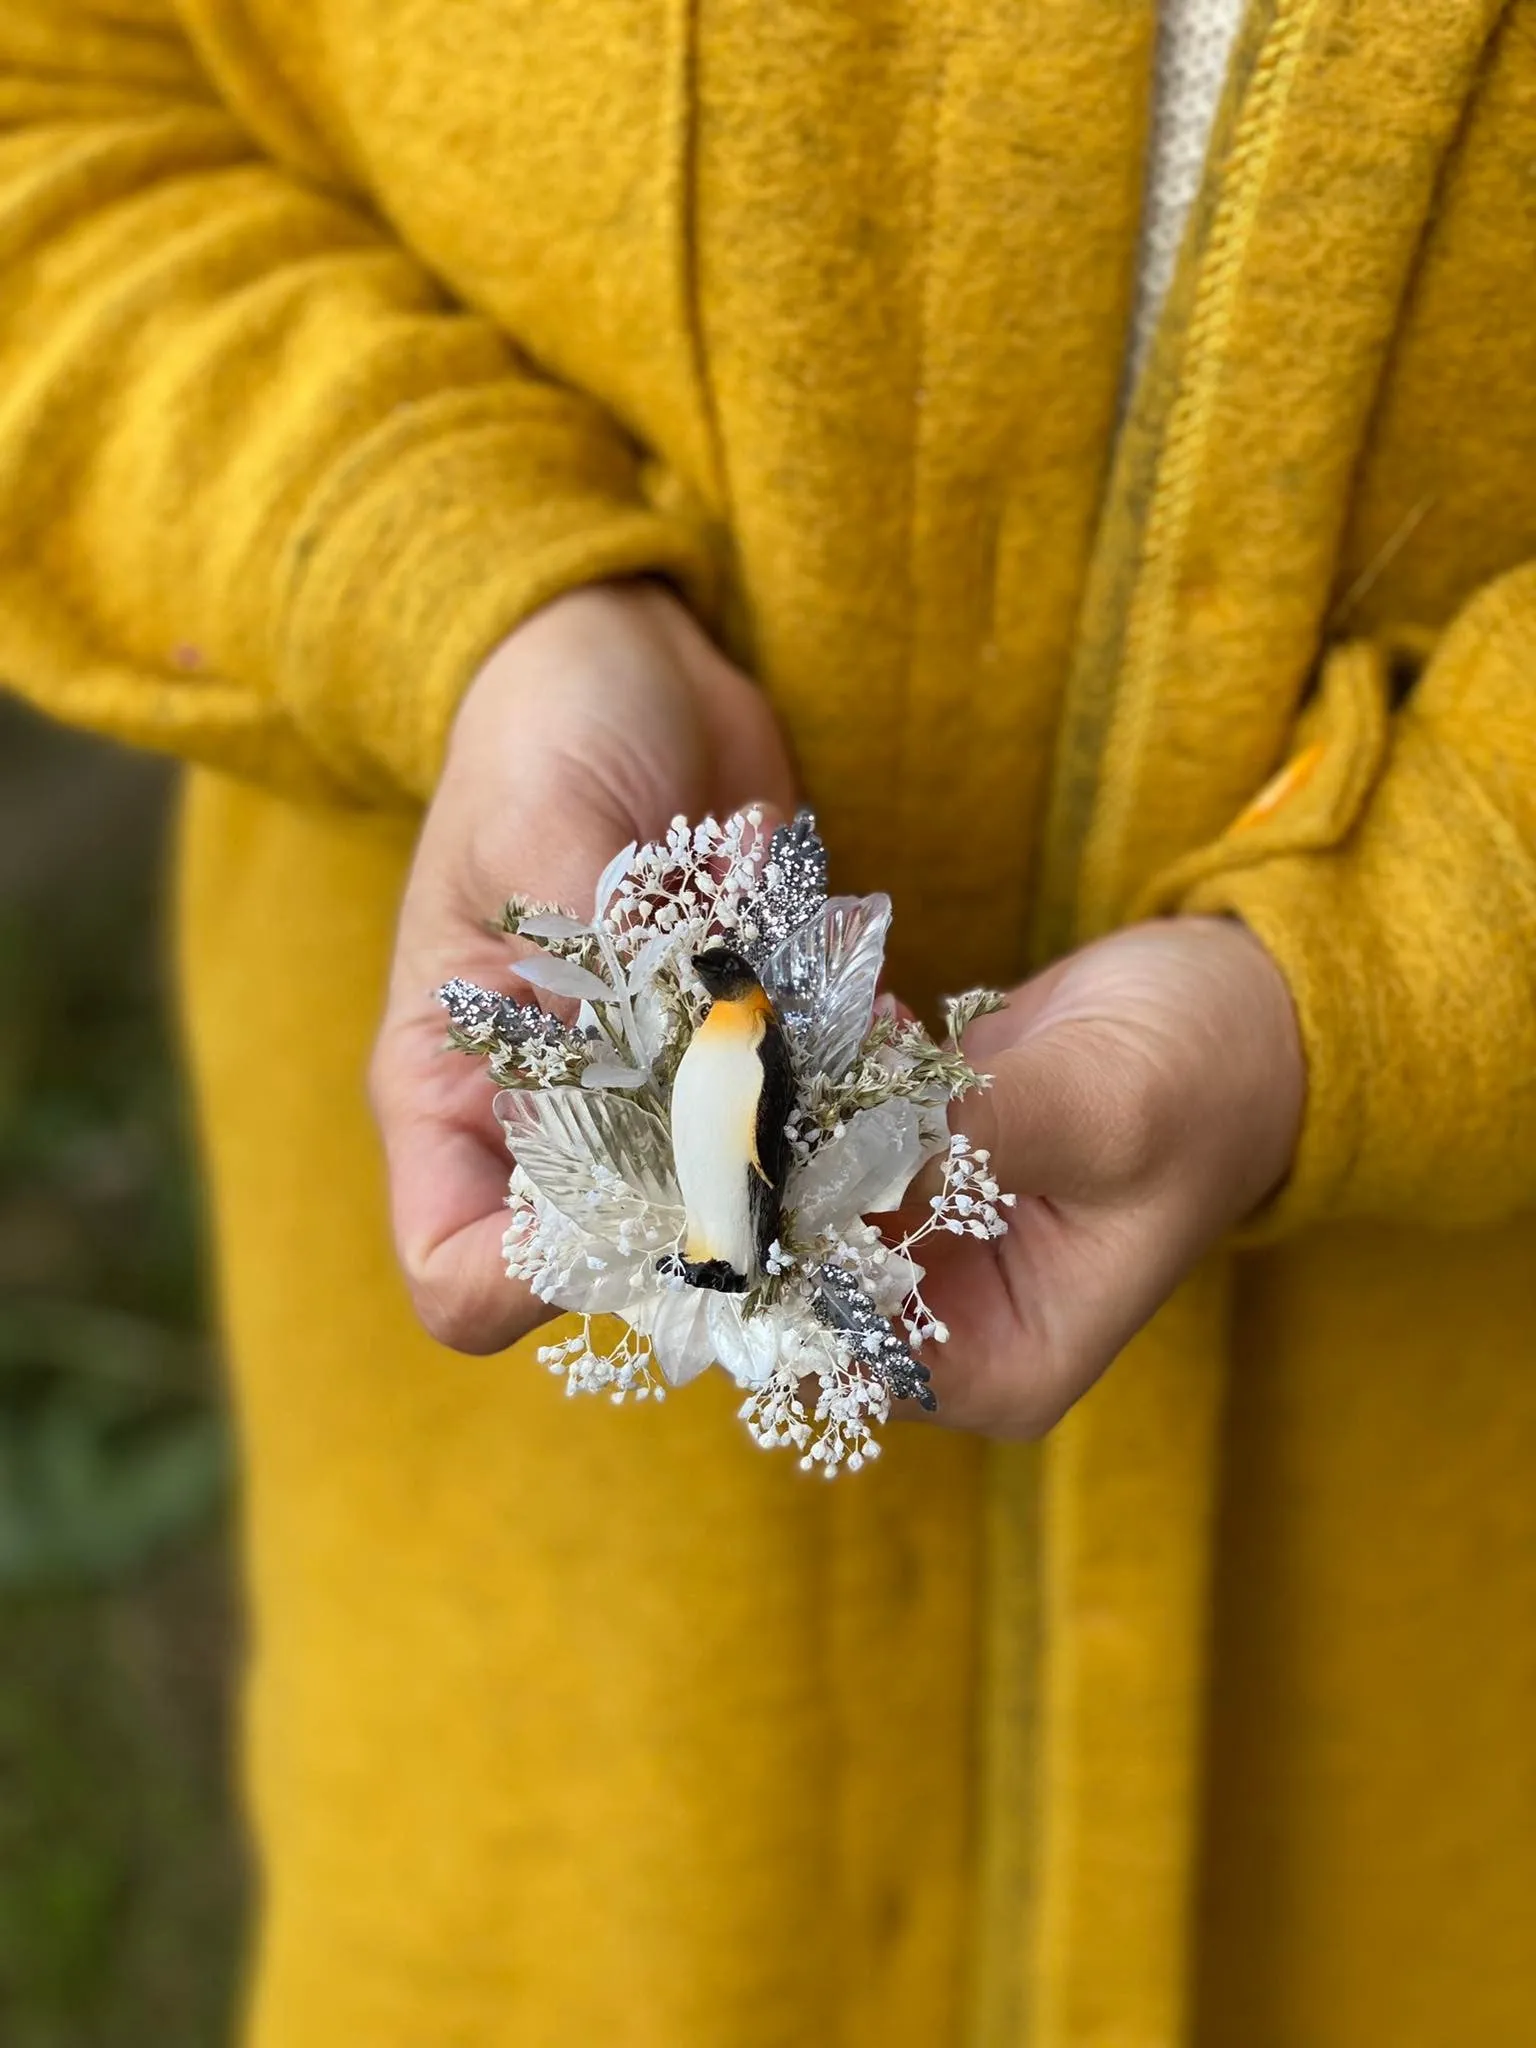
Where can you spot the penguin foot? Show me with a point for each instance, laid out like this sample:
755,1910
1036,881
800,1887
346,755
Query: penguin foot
718,1275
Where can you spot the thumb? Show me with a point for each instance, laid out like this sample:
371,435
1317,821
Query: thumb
1062,1120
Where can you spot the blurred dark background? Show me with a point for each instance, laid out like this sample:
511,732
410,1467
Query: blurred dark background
121,1875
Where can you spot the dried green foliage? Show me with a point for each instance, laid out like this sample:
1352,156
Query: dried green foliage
517,907
897,1061
580,946
961,1012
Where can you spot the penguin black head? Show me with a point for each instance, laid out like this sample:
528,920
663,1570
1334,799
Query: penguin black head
726,974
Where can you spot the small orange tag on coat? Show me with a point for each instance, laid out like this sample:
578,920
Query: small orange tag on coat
1280,788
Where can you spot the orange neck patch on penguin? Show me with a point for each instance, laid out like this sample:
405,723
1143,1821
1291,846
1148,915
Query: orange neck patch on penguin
748,1014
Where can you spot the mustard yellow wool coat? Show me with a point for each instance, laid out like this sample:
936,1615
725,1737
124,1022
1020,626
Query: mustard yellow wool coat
335,335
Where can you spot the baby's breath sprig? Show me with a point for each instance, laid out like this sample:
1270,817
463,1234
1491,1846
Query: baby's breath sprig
839,1429
696,883
969,1203
627,1367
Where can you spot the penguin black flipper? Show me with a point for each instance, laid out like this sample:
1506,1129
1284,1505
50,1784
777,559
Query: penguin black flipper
772,1164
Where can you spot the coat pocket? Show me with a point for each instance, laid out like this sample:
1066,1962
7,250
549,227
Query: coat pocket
1311,804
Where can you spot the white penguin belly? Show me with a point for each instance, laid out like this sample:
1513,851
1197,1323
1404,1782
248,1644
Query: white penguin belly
714,1142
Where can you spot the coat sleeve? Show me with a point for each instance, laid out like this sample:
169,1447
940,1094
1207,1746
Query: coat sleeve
1390,870
266,495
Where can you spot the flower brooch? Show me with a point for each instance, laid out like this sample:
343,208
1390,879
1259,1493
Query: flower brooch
698,1153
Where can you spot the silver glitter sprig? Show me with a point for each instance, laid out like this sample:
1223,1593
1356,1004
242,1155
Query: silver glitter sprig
518,1038
841,1305
794,881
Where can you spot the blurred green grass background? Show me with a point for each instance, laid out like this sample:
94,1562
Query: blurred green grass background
121,1872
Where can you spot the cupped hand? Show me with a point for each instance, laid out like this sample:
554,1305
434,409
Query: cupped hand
1146,1097
596,722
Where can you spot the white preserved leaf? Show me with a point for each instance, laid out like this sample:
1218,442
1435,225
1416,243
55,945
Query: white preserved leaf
823,979
550,924
611,877
600,1159
747,1347
609,1074
691,1328
652,1023
865,1167
677,1322
604,1290
562,978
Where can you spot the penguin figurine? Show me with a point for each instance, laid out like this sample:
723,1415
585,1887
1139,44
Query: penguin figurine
731,1098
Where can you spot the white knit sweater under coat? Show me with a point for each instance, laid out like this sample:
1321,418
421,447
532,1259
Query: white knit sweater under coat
1194,47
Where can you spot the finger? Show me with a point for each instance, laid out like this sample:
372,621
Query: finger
1000,1370
752,762
759,774
447,1174
1032,1115
459,1285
